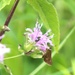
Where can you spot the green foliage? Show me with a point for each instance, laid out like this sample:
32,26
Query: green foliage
1,28
73,66
24,17
71,5
63,69
3,3
49,17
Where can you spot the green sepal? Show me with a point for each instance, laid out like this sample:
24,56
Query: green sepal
28,46
36,53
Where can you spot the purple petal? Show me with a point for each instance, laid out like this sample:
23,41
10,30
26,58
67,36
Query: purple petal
3,50
1,37
41,40
1,58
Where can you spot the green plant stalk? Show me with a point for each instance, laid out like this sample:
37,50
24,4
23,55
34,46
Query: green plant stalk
14,56
60,46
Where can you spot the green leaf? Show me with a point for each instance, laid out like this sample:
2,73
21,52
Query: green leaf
3,3
71,5
62,69
73,66
49,17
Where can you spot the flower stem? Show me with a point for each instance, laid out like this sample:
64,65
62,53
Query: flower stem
16,56
8,69
2,32
11,13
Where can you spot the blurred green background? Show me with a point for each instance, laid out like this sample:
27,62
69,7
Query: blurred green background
25,16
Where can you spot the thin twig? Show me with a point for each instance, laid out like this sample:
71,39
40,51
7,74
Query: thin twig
11,13
9,18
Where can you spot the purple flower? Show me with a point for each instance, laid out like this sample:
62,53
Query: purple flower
35,33
3,50
1,37
41,41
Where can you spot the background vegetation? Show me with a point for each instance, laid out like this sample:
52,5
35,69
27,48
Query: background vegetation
63,62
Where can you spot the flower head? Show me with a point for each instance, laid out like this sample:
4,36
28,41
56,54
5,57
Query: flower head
40,40
3,50
34,34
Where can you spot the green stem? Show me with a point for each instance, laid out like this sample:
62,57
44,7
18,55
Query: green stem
16,56
60,46
8,69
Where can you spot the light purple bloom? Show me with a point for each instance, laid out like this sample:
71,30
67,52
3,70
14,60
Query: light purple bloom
41,40
35,33
3,50
1,37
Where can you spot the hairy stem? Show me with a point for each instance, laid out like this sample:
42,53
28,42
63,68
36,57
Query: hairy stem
9,18
11,13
